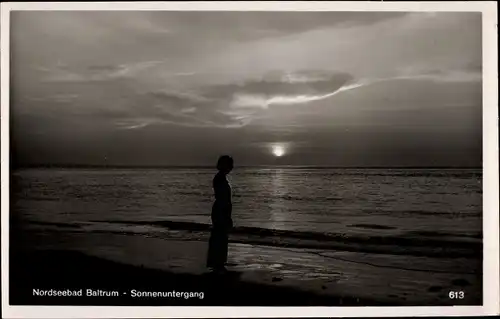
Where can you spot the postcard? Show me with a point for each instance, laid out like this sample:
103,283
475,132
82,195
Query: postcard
249,159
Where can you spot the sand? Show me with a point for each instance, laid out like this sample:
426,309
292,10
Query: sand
262,275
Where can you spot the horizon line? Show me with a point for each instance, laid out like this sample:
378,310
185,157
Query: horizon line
101,166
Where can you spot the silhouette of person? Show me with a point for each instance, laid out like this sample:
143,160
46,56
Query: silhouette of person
221,216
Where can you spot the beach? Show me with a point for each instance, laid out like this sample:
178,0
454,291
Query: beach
301,236
262,275
134,285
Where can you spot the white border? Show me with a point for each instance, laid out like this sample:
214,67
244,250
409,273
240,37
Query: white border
490,165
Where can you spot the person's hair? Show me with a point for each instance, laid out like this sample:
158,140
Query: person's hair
225,162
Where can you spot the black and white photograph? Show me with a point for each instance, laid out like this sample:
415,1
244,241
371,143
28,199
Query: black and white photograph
246,158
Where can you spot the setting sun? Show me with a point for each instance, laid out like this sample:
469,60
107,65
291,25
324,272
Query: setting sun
278,150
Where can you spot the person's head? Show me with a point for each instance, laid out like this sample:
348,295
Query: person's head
225,164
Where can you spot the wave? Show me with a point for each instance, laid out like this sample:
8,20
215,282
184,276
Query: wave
271,197
389,172
428,244
408,174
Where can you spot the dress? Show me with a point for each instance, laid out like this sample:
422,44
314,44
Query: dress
221,222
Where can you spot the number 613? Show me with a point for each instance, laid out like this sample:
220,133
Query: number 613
456,295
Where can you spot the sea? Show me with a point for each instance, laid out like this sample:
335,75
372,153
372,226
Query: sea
425,210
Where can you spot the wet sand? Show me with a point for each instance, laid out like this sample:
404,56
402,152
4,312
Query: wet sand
65,270
262,275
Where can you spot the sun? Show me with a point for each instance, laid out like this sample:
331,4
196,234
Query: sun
278,150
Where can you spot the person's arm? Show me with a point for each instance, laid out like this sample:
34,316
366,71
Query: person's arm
222,190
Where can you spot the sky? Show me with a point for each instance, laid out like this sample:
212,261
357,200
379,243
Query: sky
181,88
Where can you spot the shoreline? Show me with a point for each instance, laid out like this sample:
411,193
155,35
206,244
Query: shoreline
71,270
261,276
271,276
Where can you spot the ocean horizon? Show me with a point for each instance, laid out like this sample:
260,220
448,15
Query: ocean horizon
426,203
207,166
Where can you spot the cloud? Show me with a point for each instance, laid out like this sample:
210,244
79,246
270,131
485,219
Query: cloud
237,105
209,75
63,73
234,105
316,88
58,98
189,110
441,75
264,102
441,40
